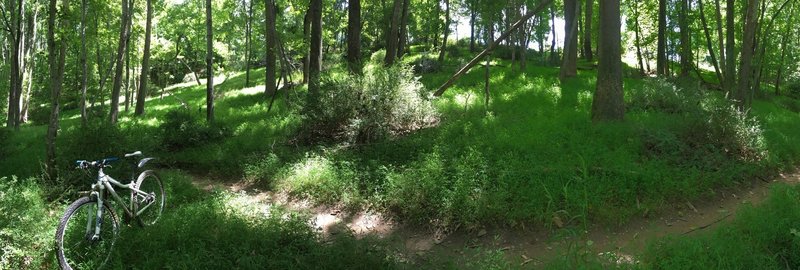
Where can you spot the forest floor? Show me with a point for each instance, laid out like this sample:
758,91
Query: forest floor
527,247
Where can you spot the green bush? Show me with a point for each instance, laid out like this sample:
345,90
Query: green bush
793,89
183,129
425,65
384,101
97,140
27,225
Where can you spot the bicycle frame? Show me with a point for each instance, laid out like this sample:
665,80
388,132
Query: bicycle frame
107,183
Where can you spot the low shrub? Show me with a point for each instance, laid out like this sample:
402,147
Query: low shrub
27,225
792,89
425,65
183,129
384,101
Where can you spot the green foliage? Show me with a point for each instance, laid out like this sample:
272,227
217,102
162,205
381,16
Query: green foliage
183,129
384,101
793,89
27,225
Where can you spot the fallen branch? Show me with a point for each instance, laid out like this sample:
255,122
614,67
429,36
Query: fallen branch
707,225
491,47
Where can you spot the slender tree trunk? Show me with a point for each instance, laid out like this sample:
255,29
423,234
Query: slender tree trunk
392,35
784,43
661,54
730,50
608,104
306,57
403,35
686,44
553,57
709,43
127,74
354,35
720,40
248,43
56,60
636,32
141,95
745,72
123,36
487,74
270,85
587,30
569,63
472,15
15,89
209,64
315,64
84,67
446,26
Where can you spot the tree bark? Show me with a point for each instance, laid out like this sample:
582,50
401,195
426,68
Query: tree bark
354,35
15,89
608,104
745,72
587,30
392,35
491,47
123,37
784,43
661,54
315,64
84,67
247,42
686,44
446,26
637,38
709,43
306,34
270,85
472,15
209,64
56,59
141,95
553,57
569,61
730,50
403,35
487,74
720,39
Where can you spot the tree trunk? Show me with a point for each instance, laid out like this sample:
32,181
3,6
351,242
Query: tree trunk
315,63
56,60
636,32
472,15
15,89
123,37
608,103
248,43
686,43
392,35
128,73
587,30
84,77
403,35
709,43
306,57
209,64
487,74
569,61
141,95
730,50
784,43
553,57
354,36
661,54
446,31
720,40
745,72
270,85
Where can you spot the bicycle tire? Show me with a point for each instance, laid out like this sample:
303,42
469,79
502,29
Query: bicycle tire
149,182
74,257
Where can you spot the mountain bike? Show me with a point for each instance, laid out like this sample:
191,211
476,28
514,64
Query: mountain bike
89,227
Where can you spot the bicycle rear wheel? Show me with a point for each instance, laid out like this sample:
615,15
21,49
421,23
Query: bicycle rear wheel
148,207
75,247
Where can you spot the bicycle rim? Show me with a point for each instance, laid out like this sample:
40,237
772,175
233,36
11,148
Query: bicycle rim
154,201
75,243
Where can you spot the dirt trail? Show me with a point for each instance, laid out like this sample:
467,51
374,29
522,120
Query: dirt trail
528,247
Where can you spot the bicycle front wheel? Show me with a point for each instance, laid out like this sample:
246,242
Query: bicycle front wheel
77,245
149,202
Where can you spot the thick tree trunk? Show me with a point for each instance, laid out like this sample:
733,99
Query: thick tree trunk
730,50
745,72
354,36
709,43
686,44
446,26
15,89
56,60
209,64
141,95
270,85
123,37
392,35
608,104
569,61
315,64
661,54
403,35
587,30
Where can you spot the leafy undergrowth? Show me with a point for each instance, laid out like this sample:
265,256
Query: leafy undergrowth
198,230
